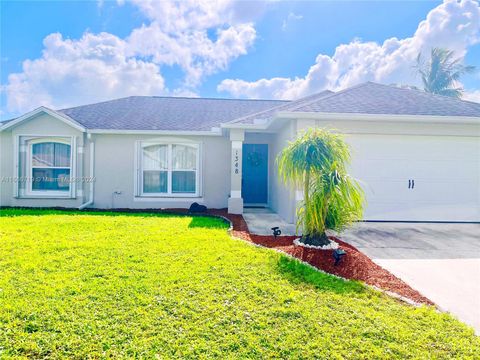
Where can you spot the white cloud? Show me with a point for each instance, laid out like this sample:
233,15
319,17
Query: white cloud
454,25
290,18
194,52
472,96
93,68
201,37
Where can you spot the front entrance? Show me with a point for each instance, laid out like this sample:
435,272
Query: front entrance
255,174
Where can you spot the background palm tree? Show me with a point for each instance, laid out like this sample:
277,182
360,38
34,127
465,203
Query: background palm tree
317,162
442,72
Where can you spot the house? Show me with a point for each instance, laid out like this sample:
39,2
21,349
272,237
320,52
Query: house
417,155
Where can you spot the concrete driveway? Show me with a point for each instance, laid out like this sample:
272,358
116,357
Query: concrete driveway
442,261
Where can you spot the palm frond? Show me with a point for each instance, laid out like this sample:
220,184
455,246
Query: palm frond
442,73
317,162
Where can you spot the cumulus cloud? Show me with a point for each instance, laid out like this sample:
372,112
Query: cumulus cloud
453,25
472,96
91,69
200,37
194,52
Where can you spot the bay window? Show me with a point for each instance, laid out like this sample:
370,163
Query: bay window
169,169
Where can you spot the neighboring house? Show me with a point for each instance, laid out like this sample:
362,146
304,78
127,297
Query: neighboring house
417,155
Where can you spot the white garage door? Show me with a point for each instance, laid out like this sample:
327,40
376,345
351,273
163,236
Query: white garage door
418,178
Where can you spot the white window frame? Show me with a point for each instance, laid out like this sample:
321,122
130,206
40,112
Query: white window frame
67,140
169,194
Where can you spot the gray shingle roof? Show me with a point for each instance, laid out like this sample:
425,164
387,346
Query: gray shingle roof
372,98
165,113
177,113
269,113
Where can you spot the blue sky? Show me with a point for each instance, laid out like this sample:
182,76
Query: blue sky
103,50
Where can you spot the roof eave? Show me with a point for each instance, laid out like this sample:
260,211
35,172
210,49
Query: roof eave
212,132
443,119
264,126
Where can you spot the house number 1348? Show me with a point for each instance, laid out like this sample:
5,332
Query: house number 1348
236,159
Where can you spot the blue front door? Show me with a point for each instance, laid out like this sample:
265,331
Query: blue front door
255,173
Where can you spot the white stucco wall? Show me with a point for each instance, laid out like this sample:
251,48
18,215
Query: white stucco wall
282,199
6,163
115,172
114,168
40,125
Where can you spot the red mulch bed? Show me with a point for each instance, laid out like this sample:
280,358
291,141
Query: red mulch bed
355,265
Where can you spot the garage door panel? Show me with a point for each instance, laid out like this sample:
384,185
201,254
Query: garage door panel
386,191
379,168
441,169
448,192
414,147
386,211
403,211
446,212
446,171
439,147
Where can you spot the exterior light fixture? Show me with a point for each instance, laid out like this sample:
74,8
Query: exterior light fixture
276,231
338,254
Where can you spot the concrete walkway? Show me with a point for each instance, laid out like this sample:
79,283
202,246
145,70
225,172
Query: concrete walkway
261,220
442,261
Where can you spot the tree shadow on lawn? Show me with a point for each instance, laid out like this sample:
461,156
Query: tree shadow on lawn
198,220
297,272
208,222
13,212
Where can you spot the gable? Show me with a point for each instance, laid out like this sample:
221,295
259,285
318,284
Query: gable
43,121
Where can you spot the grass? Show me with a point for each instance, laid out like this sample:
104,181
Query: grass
100,285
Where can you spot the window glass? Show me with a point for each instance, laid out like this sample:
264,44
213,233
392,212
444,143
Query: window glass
61,155
42,154
155,181
50,166
48,179
184,157
169,169
183,181
50,154
155,157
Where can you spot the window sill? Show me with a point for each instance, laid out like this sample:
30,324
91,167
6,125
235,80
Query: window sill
57,197
168,198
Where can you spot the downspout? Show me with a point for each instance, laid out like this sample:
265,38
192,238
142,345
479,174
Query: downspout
92,177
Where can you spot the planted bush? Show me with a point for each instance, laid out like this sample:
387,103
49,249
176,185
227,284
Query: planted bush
317,162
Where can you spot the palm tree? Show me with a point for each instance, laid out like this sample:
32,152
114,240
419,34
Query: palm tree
317,162
441,74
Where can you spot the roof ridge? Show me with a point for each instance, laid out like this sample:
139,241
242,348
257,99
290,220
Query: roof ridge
332,95
423,92
234,121
277,107
96,103
381,98
171,97
205,98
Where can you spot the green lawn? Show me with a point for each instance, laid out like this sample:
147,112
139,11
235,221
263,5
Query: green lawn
77,285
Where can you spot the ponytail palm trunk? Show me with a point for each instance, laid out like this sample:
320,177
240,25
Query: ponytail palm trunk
317,162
